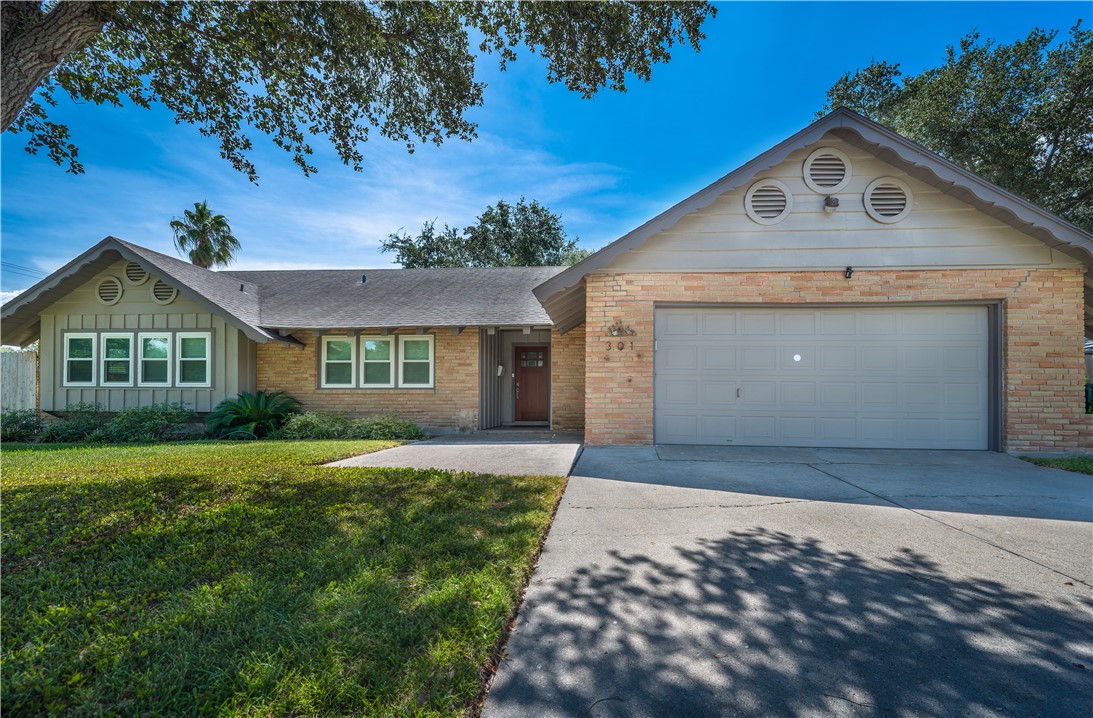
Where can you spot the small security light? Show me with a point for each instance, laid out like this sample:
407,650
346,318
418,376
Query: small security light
849,272
831,204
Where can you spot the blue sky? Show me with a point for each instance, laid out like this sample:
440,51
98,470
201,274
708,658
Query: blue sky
606,164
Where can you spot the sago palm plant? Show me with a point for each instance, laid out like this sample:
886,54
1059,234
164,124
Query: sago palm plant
251,415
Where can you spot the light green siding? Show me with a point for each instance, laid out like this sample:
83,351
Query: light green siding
232,353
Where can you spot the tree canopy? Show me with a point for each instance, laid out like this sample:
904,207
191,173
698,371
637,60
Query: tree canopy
294,70
526,234
1020,115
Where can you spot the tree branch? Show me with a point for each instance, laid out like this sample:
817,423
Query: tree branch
35,43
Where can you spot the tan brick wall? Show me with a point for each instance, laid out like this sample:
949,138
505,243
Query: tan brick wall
451,404
1043,406
567,353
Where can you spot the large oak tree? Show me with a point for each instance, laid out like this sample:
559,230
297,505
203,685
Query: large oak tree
525,234
295,70
1020,115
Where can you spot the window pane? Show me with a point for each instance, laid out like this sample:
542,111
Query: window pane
116,372
155,348
415,373
154,372
80,348
193,372
377,373
339,373
79,371
192,347
415,349
377,350
116,348
340,350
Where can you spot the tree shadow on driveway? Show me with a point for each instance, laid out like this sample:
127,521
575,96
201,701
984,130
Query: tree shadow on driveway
763,623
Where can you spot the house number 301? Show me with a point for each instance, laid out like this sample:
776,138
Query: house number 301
619,346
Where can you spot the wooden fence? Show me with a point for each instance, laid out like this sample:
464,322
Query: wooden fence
18,380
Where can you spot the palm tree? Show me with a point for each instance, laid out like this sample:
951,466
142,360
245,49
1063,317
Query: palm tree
205,236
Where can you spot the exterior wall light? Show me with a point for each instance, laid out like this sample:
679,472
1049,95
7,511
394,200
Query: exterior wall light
849,272
831,204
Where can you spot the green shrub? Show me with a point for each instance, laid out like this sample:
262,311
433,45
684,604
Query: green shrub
316,425
19,424
80,422
324,425
385,427
251,415
158,422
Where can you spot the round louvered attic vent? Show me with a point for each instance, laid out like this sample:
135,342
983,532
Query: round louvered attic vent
768,202
135,274
162,293
109,290
827,170
888,200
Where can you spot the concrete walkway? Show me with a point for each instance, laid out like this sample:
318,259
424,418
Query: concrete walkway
500,452
807,583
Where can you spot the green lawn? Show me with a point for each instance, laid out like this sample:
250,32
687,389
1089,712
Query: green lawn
1080,464
243,579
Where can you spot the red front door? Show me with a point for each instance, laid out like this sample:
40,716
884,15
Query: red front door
533,383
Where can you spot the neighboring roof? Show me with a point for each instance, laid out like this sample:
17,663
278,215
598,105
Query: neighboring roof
336,298
225,296
563,294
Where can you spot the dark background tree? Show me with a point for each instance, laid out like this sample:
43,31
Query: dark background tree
1020,115
204,236
293,70
526,234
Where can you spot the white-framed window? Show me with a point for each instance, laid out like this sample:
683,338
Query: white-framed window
338,363
79,367
415,366
194,359
154,359
117,359
377,362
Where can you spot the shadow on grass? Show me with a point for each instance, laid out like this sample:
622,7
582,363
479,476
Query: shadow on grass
360,592
762,623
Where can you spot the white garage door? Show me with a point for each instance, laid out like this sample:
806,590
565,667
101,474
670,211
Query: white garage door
911,378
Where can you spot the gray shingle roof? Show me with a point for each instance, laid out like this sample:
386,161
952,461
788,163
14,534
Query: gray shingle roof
219,288
336,298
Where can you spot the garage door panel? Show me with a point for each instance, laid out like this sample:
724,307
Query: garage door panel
681,391
719,357
718,393
758,323
883,378
678,358
879,358
838,358
719,324
798,324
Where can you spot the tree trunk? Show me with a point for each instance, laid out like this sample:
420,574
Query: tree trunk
34,43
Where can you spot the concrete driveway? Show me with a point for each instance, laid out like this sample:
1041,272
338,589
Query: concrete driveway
511,452
753,582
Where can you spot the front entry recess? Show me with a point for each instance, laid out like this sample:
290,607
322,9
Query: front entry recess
532,383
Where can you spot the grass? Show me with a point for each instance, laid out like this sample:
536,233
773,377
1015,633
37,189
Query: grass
243,579
1079,464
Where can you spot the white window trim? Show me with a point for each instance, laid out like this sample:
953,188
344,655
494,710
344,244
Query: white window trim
94,357
432,360
352,363
391,343
103,359
141,336
208,337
